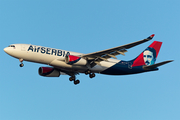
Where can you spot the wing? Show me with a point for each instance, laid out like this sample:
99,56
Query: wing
103,55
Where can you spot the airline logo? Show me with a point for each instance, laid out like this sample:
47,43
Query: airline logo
49,51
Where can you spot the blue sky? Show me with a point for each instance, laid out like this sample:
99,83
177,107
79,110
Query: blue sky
89,26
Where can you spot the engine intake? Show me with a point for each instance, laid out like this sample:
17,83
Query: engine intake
48,72
75,60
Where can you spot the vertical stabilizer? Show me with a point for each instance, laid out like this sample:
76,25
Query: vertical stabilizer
148,56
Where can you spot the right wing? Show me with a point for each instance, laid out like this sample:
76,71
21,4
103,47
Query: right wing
103,55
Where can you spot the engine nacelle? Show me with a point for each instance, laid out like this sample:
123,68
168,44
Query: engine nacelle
48,72
75,60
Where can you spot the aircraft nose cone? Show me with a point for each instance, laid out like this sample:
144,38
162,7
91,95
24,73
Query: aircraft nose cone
8,50
5,49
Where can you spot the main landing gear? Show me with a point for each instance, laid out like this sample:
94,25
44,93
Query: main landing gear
73,78
91,74
21,60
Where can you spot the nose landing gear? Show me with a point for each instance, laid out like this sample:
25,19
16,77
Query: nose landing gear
21,65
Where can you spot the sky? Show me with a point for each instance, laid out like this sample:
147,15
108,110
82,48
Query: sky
86,27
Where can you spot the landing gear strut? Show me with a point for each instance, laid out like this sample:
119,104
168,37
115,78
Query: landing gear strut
73,78
21,65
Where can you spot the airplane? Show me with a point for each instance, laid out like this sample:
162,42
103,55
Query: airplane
64,62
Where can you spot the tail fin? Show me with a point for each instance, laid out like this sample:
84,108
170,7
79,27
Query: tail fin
149,55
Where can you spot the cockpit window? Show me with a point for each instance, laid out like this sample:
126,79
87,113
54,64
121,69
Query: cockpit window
11,46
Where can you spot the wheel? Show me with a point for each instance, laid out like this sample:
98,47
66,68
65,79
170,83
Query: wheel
72,78
87,72
76,82
21,65
92,75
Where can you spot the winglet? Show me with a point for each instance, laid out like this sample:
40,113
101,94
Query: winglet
151,37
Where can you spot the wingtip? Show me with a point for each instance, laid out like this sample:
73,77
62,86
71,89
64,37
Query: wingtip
151,36
171,60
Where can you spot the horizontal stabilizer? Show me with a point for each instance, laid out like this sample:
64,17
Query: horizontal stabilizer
156,65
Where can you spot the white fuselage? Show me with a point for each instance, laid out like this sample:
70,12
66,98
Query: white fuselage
53,57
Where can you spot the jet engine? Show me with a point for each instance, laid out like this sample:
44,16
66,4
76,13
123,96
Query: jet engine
75,60
48,72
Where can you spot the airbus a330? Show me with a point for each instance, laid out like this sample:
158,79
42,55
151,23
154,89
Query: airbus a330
72,63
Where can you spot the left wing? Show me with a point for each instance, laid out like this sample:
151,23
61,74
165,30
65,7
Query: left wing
103,55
